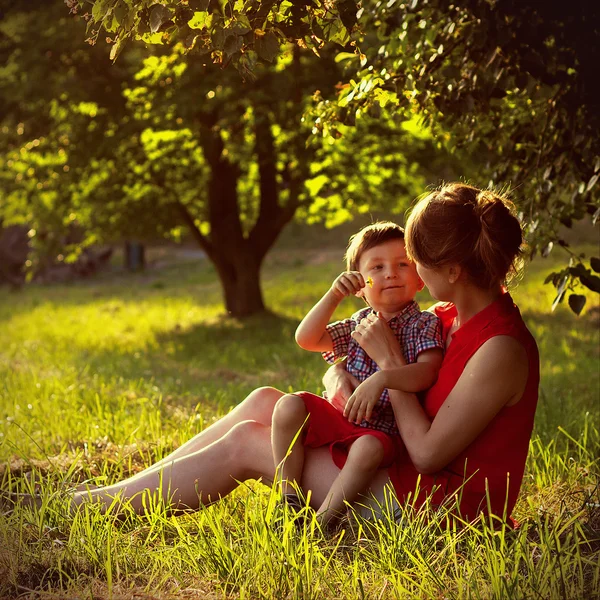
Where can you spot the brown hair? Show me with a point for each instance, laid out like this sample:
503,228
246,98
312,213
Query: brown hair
474,228
369,237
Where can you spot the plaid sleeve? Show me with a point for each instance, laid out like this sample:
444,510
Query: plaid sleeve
430,333
340,336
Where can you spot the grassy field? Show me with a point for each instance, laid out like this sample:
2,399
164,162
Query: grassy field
101,378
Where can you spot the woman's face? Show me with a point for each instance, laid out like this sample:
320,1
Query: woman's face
437,281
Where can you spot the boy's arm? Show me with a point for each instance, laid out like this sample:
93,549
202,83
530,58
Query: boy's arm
422,374
312,332
415,377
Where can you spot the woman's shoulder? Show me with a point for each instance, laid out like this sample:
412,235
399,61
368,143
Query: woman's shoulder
440,308
445,311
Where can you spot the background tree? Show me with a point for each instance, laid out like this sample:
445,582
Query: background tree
189,145
56,97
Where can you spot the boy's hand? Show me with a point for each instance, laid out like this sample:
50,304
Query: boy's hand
348,283
360,405
375,337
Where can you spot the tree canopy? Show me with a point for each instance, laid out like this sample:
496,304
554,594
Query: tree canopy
513,83
162,143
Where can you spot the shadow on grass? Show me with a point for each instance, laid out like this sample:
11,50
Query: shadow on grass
220,361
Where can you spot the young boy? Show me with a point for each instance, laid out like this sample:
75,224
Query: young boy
379,271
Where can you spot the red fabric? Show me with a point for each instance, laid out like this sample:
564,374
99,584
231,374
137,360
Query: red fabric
328,427
496,459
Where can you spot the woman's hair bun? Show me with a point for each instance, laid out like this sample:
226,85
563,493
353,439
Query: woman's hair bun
500,240
475,228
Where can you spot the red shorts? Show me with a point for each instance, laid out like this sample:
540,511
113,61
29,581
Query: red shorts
328,427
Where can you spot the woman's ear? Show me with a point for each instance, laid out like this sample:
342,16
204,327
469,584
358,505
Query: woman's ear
454,273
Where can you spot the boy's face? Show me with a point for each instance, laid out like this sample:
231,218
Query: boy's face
395,278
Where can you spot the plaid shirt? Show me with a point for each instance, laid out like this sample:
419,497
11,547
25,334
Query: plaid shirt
416,332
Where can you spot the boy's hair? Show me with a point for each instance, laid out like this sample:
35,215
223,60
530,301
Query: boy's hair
369,237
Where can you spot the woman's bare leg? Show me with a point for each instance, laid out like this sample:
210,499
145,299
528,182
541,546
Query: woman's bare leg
201,477
318,474
257,406
212,472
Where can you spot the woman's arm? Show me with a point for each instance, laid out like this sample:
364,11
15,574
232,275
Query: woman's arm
415,377
339,385
494,377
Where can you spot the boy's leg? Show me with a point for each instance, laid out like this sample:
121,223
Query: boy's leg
288,418
364,458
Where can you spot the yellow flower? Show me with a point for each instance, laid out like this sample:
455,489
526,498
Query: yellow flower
369,282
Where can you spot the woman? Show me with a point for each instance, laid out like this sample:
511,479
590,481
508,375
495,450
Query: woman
475,422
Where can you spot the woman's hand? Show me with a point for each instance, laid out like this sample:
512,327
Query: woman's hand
375,337
363,400
339,385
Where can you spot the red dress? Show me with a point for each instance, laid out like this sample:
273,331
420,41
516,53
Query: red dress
496,459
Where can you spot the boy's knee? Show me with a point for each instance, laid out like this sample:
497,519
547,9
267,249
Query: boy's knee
366,453
289,411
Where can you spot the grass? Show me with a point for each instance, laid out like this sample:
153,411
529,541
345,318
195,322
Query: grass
101,378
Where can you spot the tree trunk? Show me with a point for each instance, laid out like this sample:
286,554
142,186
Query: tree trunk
241,287
238,268
238,258
234,256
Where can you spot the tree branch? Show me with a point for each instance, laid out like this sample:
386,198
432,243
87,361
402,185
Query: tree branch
188,219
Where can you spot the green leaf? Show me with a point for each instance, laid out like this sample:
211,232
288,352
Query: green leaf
576,303
117,48
100,9
218,38
158,15
560,292
241,26
267,46
317,29
586,277
595,263
120,12
590,281
547,249
347,10
233,44
343,56
199,5
201,20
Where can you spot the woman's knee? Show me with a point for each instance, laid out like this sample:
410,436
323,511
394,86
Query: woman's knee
260,403
246,444
289,411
